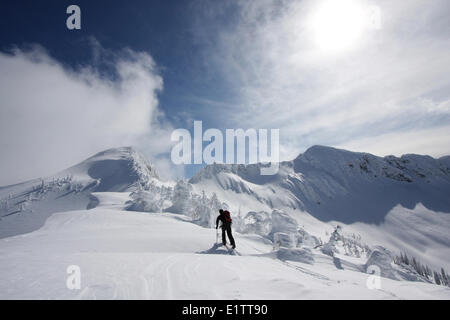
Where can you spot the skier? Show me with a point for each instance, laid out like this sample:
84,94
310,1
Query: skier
226,226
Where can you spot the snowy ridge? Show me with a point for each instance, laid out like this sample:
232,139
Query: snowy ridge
117,169
24,207
323,179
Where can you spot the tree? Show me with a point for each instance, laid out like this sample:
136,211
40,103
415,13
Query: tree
445,278
181,196
437,279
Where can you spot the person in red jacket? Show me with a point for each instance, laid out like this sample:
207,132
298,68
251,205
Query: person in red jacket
226,220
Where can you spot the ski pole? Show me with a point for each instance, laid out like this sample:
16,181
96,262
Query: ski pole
217,236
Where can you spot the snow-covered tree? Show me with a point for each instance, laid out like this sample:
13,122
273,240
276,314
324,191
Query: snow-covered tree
181,197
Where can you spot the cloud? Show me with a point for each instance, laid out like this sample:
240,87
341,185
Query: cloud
433,141
391,81
52,117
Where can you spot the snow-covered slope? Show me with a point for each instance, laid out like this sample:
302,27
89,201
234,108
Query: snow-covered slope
24,207
117,169
340,185
402,203
131,255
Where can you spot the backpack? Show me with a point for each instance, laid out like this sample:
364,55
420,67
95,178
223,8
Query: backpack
227,216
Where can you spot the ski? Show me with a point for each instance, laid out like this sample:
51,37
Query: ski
232,251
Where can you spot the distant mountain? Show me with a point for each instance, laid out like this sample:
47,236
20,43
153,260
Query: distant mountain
334,184
24,207
117,169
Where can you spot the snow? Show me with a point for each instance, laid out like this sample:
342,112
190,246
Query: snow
131,255
25,207
288,245
401,203
116,200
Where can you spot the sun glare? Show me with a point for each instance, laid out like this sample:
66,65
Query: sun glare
337,25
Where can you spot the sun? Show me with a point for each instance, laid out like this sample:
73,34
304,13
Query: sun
337,25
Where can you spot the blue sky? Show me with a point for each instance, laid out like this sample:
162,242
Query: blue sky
160,28
137,70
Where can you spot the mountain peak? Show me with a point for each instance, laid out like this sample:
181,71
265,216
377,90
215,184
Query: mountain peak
116,169
115,153
317,151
